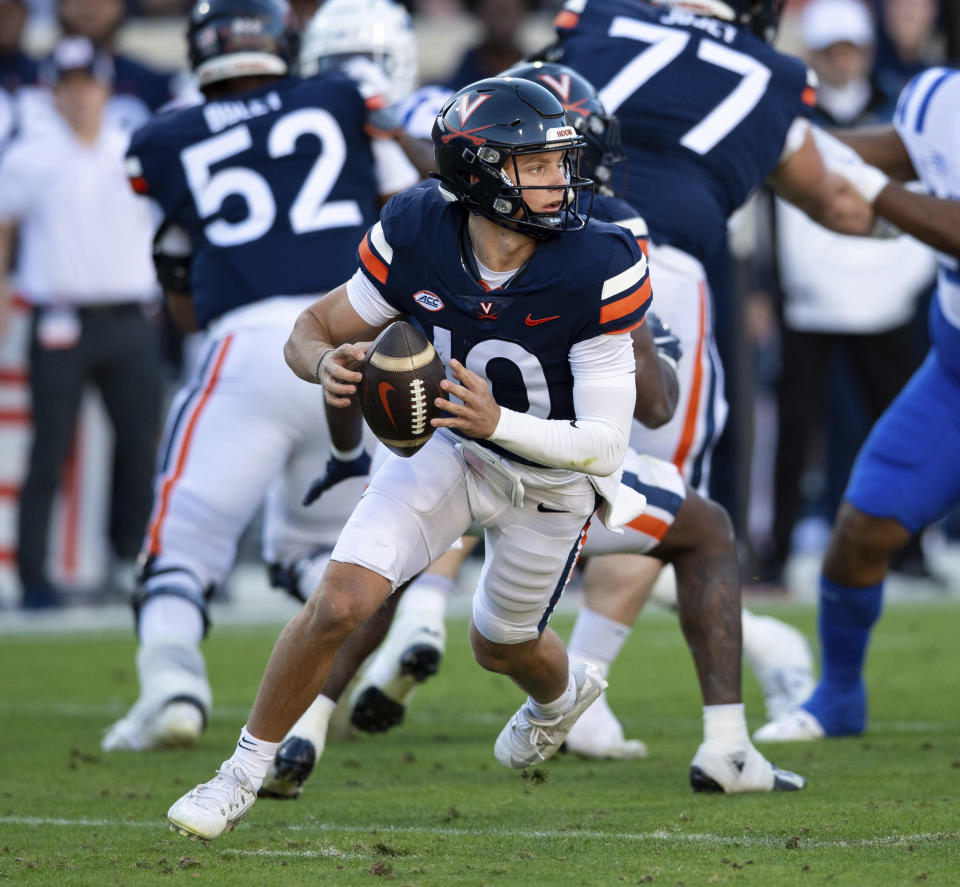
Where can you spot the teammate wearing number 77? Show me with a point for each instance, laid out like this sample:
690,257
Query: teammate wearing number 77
497,243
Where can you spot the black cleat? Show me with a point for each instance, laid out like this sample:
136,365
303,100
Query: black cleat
375,712
292,765
421,661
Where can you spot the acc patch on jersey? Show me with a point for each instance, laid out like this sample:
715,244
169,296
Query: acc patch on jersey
401,377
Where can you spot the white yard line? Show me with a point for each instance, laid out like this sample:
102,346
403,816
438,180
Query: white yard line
659,835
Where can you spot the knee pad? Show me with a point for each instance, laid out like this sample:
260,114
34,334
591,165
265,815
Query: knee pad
176,581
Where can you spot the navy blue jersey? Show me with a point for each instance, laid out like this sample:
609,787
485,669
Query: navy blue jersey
704,109
275,188
576,286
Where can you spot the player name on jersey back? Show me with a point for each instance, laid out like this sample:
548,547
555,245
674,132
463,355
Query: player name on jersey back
221,114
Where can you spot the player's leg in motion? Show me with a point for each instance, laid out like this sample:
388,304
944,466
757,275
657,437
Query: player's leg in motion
207,490
616,588
530,554
303,518
903,480
413,648
413,510
694,535
700,546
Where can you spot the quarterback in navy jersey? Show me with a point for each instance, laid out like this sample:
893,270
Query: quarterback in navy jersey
419,261
558,408
265,189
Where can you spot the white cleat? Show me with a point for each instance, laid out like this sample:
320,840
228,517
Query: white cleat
781,658
715,769
598,734
174,700
794,726
784,689
528,740
214,807
177,725
409,655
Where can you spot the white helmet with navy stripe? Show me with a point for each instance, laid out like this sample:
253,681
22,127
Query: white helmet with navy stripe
378,30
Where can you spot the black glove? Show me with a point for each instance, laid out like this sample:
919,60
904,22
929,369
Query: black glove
666,340
337,470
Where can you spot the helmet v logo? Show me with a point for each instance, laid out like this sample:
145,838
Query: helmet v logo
466,107
559,84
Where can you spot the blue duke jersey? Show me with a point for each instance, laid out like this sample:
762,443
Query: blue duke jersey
926,121
275,187
575,287
704,109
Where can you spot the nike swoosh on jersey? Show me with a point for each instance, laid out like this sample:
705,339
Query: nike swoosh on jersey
530,321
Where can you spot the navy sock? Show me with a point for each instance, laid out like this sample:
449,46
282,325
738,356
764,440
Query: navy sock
846,617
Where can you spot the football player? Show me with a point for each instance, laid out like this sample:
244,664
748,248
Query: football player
265,188
531,310
615,588
907,474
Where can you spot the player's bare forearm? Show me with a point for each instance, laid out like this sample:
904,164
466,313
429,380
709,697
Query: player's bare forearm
932,220
327,345
880,146
345,424
656,382
828,198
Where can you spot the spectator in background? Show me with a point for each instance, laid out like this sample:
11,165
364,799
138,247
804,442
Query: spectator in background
16,67
138,90
852,304
498,49
84,266
906,40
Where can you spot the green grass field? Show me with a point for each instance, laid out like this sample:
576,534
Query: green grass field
427,804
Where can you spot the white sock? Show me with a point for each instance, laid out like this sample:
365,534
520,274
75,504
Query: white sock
725,725
314,722
561,705
346,455
169,617
254,757
597,639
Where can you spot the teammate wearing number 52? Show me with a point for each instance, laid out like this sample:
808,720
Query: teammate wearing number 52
265,189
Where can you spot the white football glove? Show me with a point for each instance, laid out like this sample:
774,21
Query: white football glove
374,87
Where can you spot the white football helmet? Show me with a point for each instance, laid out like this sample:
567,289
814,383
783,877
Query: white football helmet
379,30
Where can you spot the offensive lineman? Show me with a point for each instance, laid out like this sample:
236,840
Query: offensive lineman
531,310
265,189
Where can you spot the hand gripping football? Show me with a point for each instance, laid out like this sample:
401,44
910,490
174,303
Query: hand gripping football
401,377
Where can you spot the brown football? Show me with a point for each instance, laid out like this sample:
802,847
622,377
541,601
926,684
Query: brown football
401,377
